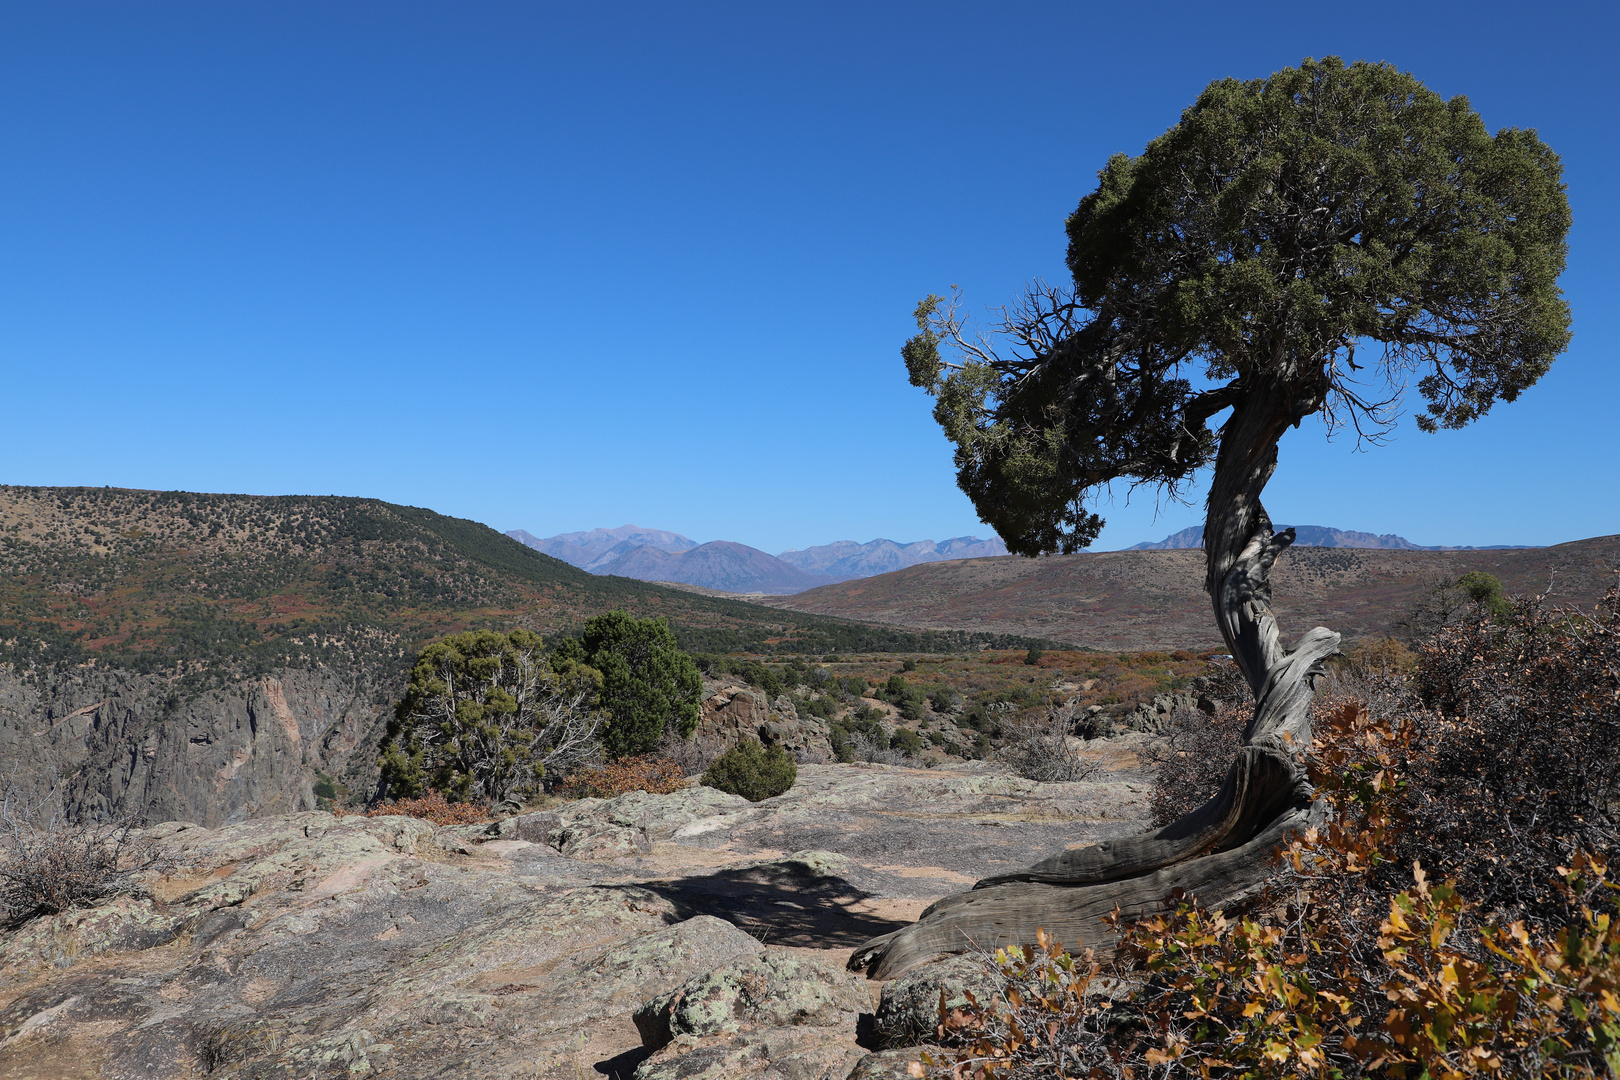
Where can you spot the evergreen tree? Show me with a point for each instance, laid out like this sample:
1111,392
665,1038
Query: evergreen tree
649,686
485,716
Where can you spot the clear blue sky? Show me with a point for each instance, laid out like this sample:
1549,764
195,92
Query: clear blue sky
558,266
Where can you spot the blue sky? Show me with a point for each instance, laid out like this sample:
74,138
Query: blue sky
553,267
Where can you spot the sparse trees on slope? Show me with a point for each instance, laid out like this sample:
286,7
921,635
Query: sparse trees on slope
1246,262
485,716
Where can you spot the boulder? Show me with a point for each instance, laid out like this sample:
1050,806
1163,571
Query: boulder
1148,717
122,924
607,828
903,1064
909,1011
1152,717
784,1053
599,840
768,990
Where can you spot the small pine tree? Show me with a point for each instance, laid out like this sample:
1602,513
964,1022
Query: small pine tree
1486,591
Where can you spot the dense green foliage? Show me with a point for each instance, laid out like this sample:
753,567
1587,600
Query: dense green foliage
650,688
1238,262
484,716
903,696
753,771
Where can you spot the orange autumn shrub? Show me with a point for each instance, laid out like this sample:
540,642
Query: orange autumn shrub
655,775
433,806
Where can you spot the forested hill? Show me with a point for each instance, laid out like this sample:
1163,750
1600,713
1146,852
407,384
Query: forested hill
149,580
213,657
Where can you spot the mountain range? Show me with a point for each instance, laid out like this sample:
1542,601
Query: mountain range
1320,536
656,555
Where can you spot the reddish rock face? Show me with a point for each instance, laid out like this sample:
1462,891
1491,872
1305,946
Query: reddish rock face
735,713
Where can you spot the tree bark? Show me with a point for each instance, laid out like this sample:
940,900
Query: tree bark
1223,851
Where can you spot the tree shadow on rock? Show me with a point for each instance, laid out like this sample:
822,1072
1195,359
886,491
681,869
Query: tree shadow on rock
808,900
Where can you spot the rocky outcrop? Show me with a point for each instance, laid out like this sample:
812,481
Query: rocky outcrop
305,944
768,990
734,713
782,1053
772,1015
1146,717
902,1064
1154,716
157,747
611,828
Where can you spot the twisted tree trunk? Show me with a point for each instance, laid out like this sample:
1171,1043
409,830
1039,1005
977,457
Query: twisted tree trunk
1223,851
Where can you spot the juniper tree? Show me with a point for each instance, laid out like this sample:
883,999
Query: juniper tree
485,716
1313,243
650,688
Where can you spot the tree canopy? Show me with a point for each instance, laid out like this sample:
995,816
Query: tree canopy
650,688
1254,254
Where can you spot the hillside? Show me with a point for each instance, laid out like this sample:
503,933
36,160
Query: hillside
1155,599
211,657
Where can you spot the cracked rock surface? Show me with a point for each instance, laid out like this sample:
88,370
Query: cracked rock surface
666,937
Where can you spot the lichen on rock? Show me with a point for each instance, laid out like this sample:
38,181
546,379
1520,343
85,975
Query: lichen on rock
772,989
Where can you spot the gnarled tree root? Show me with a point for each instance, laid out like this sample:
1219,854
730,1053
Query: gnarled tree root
1010,914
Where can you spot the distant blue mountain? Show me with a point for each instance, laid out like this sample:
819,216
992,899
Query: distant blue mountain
1320,536
656,555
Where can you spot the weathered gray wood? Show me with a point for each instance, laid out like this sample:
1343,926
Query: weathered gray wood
1010,914
1219,853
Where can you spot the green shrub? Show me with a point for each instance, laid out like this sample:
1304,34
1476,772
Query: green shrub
650,688
1486,591
752,771
757,674
906,741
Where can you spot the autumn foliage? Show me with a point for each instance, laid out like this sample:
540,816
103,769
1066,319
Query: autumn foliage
1450,917
655,775
433,806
